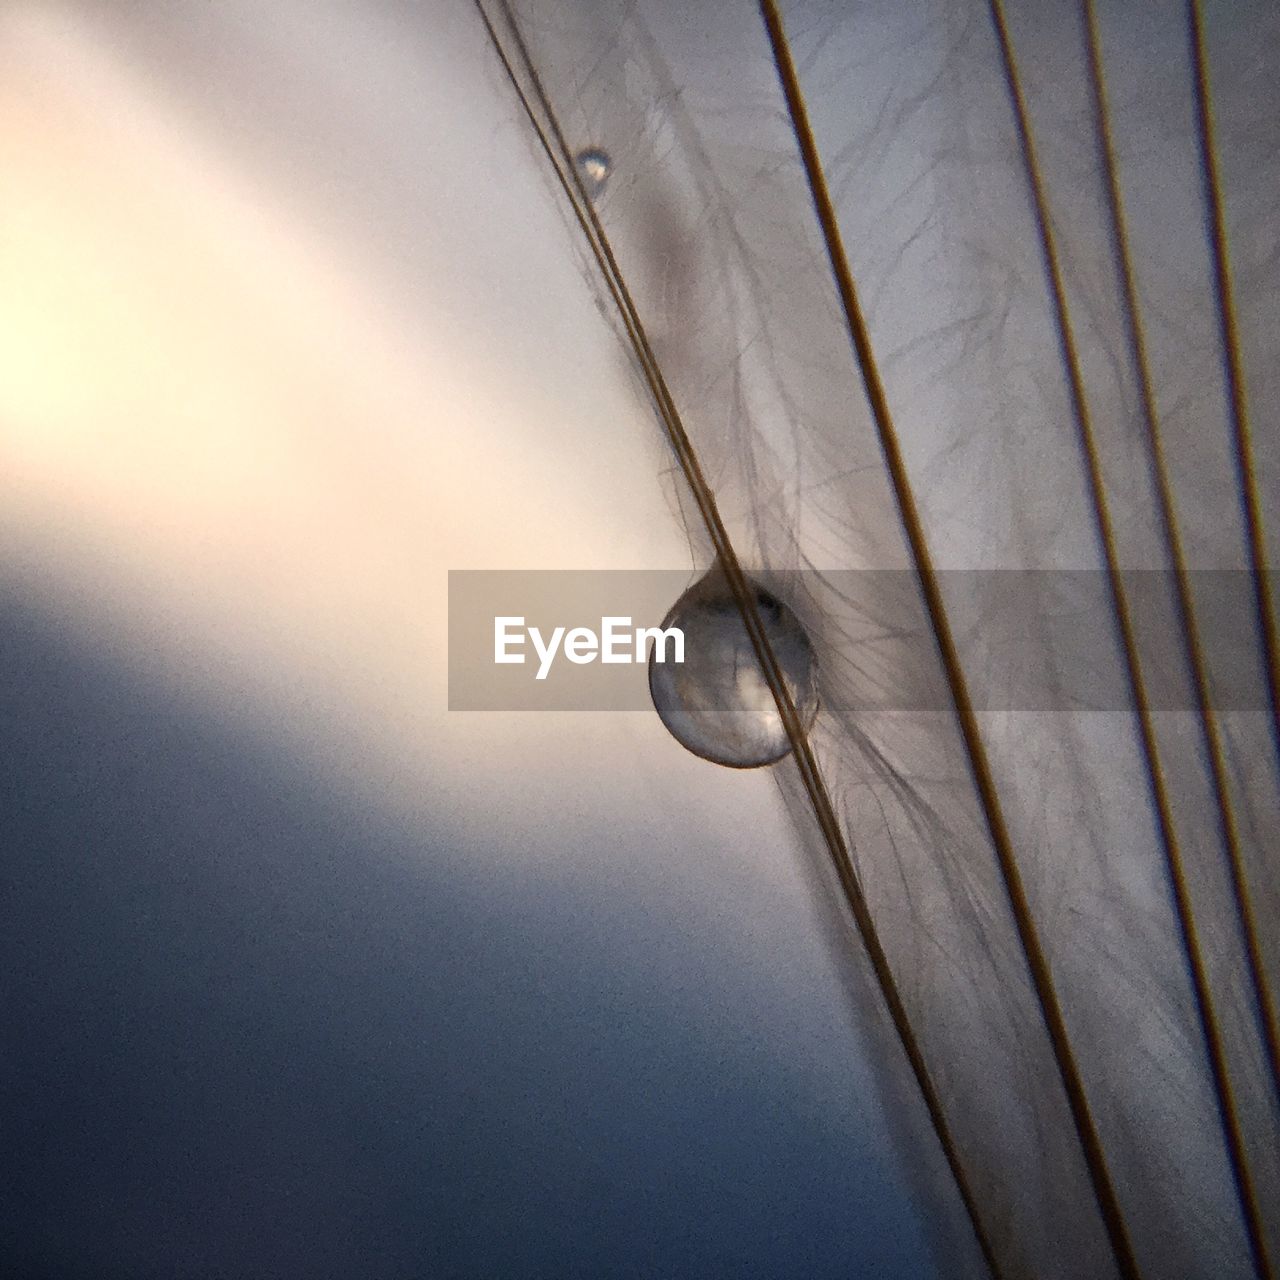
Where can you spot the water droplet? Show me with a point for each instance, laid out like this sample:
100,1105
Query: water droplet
594,168
717,702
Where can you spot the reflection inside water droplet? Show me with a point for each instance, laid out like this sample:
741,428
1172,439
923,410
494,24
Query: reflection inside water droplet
717,702
594,168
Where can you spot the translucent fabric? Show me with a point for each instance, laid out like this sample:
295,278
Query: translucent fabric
709,220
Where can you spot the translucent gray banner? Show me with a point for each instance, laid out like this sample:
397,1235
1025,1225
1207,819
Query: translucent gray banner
1030,640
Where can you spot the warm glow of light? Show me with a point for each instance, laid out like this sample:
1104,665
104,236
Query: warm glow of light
227,460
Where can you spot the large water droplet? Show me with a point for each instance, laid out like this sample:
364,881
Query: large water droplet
717,702
594,168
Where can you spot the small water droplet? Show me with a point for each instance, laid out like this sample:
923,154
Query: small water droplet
594,168
717,702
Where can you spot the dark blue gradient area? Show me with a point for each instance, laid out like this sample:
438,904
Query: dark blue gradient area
248,1035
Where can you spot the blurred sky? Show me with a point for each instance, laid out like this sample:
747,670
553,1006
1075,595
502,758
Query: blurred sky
305,975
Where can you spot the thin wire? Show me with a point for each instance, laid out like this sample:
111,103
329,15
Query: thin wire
1211,730
745,598
1183,905
1228,1110
980,767
1233,373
